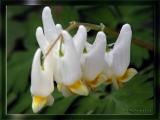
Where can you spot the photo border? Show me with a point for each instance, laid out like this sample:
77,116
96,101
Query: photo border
156,23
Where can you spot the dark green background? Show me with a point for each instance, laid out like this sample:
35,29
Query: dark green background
136,97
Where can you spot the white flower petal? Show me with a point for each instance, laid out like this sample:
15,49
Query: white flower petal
42,41
121,51
94,59
50,30
80,39
70,65
68,70
124,35
59,28
41,79
88,46
107,67
68,44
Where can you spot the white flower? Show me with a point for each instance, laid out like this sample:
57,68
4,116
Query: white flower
79,40
92,62
50,30
75,64
118,59
68,70
66,65
41,82
42,75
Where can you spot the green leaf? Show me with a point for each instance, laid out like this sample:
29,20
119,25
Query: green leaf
64,14
15,30
138,55
133,98
10,98
137,12
101,15
18,70
15,10
140,19
34,20
22,104
146,35
85,105
61,105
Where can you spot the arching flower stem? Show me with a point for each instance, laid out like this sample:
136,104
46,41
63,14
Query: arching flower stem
110,32
60,37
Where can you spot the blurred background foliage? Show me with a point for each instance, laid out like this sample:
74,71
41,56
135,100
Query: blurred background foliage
136,97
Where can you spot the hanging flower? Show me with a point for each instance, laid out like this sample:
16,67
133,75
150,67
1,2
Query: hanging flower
92,61
51,31
74,64
42,71
118,59
68,69
41,82
79,39
65,59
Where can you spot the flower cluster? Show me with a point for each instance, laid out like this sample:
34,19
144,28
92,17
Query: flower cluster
74,64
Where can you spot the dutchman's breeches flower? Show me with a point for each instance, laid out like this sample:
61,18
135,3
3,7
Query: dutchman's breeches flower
41,82
118,59
92,62
65,58
42,71
68,69
74,64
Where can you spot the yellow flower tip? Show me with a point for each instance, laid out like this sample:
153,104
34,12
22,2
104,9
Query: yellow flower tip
130,73
78,88
96,82
39,102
